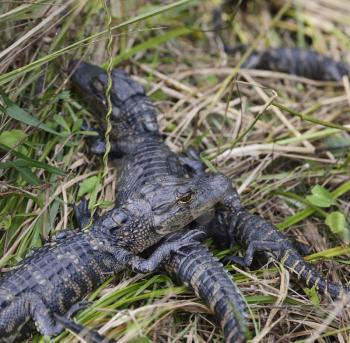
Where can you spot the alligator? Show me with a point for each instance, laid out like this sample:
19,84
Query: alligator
135,139
302,62
50,282
297,61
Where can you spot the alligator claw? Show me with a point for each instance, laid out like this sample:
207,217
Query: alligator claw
193,162
196,235
82,213
235,260
164,251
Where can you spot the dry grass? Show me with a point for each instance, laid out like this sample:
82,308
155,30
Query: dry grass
273,157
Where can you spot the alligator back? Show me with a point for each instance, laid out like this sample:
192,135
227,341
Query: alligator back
51,280
151,160
62,273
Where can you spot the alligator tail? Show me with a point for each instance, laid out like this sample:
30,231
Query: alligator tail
304,270
212,283
87,334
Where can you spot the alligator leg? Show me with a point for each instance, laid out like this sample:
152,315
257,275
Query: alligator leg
97,143
81,305
31,307
98,147
258,246
28,306
193,162
82,213
162,253
83,217
259,235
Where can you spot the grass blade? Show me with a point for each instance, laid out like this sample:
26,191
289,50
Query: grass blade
17,113
29,162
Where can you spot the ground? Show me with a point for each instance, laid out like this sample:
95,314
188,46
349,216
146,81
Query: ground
283,140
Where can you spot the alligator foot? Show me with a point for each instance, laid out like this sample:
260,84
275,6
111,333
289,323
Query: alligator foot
98,147
82,213
193,162
255,247
97,142
235,260
163,252
264,246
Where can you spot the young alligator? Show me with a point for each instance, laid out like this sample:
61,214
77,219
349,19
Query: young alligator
296,61
135,136
58,275
235,224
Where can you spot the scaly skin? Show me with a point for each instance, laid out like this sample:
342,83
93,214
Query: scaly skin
211,282
297,61
58,275
302,62
145,158
258,235
134,136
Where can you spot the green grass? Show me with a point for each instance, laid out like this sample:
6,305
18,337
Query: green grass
275,135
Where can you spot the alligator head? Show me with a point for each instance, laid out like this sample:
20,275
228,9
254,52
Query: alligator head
163,207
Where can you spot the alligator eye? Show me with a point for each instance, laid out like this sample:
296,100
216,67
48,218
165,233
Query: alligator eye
186,198
120,218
